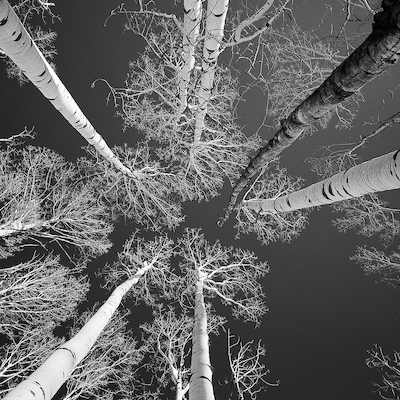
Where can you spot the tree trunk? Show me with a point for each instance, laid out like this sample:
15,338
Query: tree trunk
377,175
17,44
201,387
215,22
191,26
377,53
44,383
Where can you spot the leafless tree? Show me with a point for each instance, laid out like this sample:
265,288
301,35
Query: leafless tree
151,103
248,372
150,198
389,389
22,354
167,340
221,272
368,215
373,261
108,370
339,86
38,293
44,198
228,274
159,280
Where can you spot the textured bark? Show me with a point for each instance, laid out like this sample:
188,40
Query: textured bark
215,22
44,383
377,175
191,25
201,387
17,44
376,54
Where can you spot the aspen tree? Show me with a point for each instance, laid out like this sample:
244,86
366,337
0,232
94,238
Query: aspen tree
167,343
44,383
192,10
109,368
51,375
214,33
228,274
376,54
152,104
377,175
17,44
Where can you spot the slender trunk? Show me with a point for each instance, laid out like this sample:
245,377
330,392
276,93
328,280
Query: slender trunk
191,26
16,43
44,383
377,175
215,22
201,387
379,51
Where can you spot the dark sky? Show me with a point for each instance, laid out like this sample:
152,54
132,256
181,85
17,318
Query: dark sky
324,313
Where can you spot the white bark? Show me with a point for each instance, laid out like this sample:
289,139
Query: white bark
44,383
215,22
201,387
191,26
377,175
17,44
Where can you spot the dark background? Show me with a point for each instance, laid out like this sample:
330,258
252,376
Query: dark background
324,313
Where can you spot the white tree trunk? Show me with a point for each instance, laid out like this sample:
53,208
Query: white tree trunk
17,44
215,22
191,26
377,175
201,387
44,383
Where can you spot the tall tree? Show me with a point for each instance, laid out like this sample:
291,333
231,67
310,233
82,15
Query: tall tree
192,13
201,143
222,272
167,340
375,55
377,175
51,375
17,44
214,33
108,370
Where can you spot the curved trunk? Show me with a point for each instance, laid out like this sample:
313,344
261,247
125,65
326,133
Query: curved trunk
377,175
201,387
191,27
16,43
44,383
376,54
215,22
